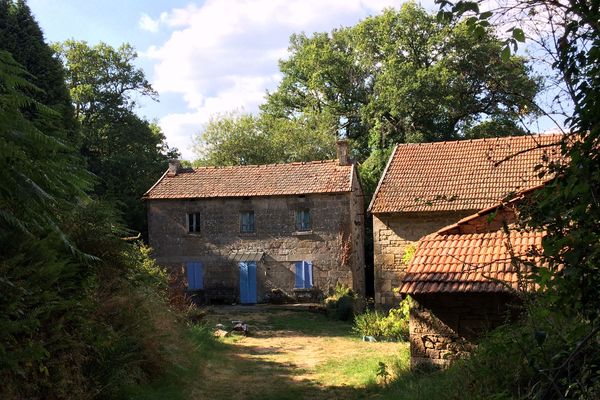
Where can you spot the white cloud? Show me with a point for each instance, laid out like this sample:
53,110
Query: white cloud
146,23
222,55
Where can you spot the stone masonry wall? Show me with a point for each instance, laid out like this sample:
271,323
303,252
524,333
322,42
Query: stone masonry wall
356,259
220,239
392,234
444,326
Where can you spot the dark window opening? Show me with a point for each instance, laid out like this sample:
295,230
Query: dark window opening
247,222
194,222
303,220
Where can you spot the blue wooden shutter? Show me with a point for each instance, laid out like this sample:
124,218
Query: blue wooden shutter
308,274
299,274
195,275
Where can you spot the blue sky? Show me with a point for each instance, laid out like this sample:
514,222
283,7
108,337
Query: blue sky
203,57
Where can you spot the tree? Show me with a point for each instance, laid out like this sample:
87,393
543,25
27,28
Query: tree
241,139
568,207
127,153
404,76
21,36
101,78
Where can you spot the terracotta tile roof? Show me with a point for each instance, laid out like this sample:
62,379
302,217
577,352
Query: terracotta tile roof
460,175
471,257
254,180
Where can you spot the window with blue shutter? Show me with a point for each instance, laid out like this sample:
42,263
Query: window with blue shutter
304,277
195,275
303,220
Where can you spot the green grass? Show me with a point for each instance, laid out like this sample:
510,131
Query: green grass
357,371
309,324
215,369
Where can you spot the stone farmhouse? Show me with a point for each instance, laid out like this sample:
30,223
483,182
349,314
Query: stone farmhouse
464,278
428,186
256,233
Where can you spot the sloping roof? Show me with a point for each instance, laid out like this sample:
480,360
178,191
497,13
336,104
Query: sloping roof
461,175
474,255
254,180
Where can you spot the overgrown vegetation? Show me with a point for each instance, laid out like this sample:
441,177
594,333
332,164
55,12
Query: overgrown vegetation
393,326
84,313
342,303
553,352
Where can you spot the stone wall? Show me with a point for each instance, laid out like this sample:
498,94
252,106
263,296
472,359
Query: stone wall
392,234
445,326
334,245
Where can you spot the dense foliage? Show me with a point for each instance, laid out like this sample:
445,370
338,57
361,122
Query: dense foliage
83,313
554,352
404,76
382,326
126,153
242,139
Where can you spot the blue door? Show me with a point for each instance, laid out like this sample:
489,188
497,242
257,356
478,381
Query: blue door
195,275
248,282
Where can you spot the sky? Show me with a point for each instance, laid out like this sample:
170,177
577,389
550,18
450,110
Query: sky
203,57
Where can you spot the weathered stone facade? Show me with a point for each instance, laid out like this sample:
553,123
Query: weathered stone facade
444,327
334,244
393,233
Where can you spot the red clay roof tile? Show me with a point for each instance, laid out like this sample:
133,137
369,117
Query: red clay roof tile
461,175
472,262
254,180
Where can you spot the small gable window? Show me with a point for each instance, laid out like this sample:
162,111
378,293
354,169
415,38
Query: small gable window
194,222
304,276
247,222
303,220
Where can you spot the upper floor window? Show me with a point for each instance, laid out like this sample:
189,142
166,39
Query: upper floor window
303,220
194,222
247,222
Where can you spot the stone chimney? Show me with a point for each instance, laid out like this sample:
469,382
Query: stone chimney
342,152
174,167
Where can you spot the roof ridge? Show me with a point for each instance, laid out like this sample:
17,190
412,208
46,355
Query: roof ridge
264,165
490,139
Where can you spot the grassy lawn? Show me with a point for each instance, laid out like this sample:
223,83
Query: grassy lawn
290,354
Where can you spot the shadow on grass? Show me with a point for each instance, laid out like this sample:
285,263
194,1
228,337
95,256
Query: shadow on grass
226,370
248,378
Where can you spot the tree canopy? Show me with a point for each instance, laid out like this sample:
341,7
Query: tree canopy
241,139
21,36
405,76
563,318
127,153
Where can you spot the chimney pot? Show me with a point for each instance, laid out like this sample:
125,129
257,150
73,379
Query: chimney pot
342,152
174,167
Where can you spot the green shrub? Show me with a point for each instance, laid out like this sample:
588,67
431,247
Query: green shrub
341,303
393,326
546,355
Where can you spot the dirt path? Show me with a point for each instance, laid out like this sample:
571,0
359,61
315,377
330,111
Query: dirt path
293,354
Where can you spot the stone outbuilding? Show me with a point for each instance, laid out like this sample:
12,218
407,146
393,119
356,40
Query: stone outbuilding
256,233
428,186
465,279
